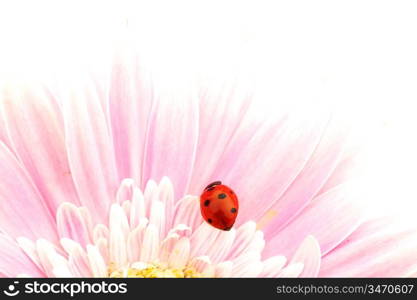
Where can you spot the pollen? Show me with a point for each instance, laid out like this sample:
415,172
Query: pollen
154,271
266,219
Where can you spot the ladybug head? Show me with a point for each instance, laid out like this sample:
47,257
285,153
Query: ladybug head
213,184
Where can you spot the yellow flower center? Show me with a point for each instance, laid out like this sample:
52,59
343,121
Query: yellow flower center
154,271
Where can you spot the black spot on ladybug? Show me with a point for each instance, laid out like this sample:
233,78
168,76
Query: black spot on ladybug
227,228
233,210
207,203
213,184
222,196
209,220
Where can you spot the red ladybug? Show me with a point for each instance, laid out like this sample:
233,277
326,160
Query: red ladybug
219,205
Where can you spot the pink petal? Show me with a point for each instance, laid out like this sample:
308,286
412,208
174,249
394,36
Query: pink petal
222,108
311,179
330,218
130,102
78,260
347,169
261,166
4,135
22,207
309,255
378,248
90,151
71,225
36,129
171,138
125,190
166,196
14,261
187,212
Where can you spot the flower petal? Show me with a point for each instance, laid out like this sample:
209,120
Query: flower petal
70,224
171,138
261,175
330,218
77,258
378,248
187,212
203,236
309,255
14,261
312,178
244,236
150,245
221,247
96,261
291,271
36,130
273,266
90,151
130,103
222,108
224,269
180,254
22,207
166,196
247,265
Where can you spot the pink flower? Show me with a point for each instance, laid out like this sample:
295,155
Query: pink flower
100,180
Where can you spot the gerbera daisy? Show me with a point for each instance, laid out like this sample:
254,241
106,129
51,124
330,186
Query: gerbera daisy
103,179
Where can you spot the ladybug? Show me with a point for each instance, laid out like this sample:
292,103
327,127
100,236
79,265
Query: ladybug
219,205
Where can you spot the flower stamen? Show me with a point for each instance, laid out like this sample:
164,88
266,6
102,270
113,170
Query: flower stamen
154,271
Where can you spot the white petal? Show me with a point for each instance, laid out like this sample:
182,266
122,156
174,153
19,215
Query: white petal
202,238
252,269
29,248
244,236
117,247
200,263
150,194
50,259
96,261
221,247
134,243
102,245
167,246
180,254
224,269
293,270
166,196
187,212
273,266
157,216
309,254
125,191
241,263
119,220
137,209
150,245
100,231
181,230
